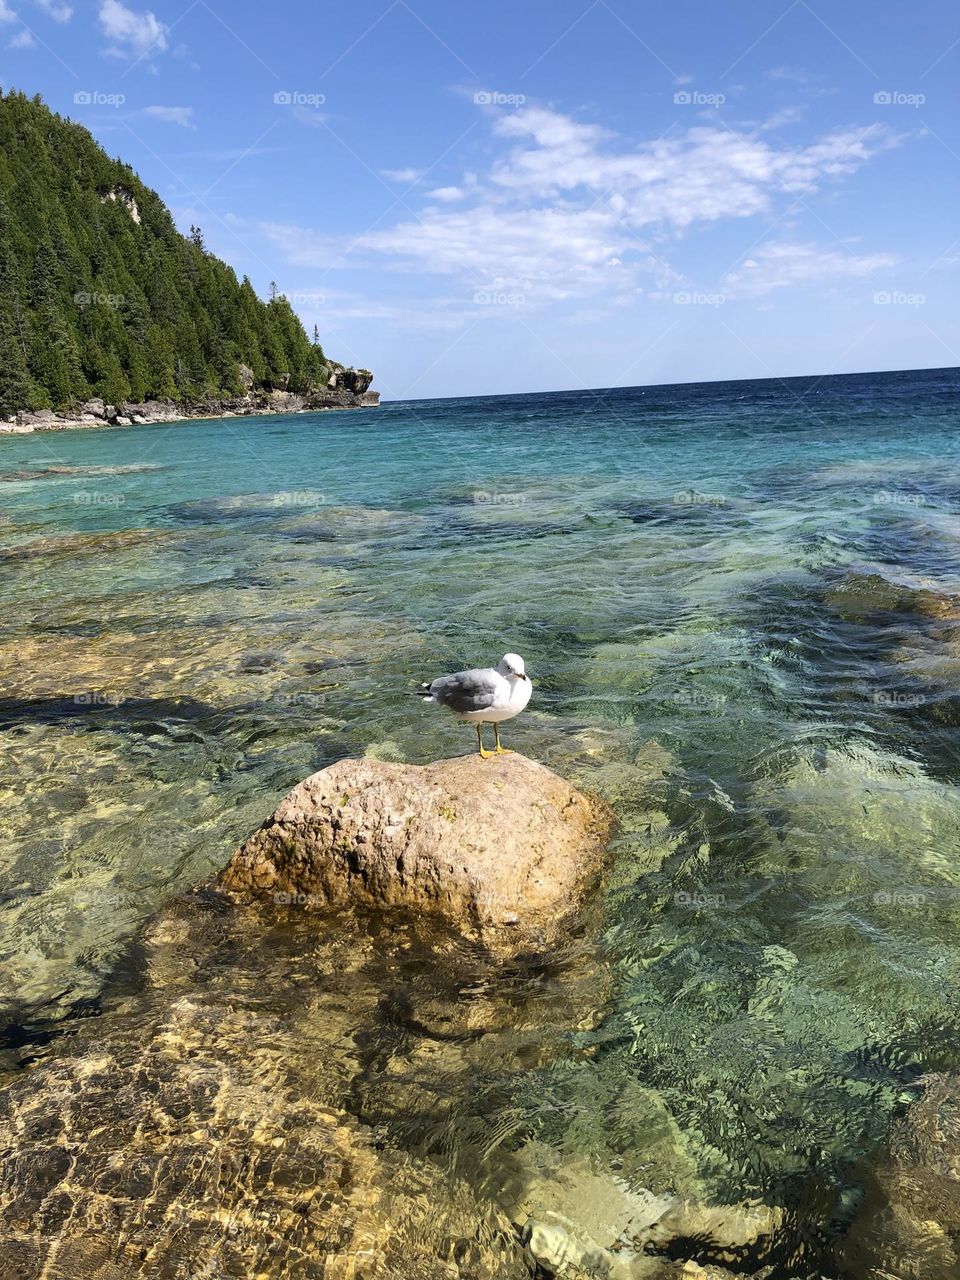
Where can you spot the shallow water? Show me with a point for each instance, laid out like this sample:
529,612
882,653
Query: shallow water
740,604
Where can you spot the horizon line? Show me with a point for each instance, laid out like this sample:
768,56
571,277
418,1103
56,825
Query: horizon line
644,386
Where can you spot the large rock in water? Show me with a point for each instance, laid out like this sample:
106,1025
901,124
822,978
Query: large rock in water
502,849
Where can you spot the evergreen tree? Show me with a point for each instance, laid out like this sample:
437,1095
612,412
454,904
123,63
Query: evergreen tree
112,386
100,292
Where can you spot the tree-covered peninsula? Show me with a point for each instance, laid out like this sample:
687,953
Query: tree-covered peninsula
101,297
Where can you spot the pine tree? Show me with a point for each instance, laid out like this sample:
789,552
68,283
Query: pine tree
113,386
94,298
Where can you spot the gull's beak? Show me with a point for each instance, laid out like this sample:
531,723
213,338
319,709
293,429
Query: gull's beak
524,676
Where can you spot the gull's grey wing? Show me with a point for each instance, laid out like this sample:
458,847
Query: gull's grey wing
474,690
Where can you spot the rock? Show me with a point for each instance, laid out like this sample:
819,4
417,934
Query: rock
356,380
338,394
909,1225
862,595
35,419
283,401
574,1216
503,849
148,411
246,376
186,1143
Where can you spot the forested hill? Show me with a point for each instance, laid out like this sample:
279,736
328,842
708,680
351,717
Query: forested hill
100,294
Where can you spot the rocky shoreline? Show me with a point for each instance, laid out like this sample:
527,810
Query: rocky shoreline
346,389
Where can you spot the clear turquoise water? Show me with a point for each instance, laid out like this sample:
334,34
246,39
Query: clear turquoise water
740,603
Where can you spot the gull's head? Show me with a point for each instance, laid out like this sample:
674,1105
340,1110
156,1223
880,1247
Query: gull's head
511,667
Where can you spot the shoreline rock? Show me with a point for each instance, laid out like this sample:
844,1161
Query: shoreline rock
503,850
347,389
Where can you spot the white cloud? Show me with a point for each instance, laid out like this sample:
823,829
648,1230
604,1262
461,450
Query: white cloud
6,13
134,35
569,210
704,173
182,116
22,40
447,195
796,75
58,12
406,176
786,115
783,264
309,116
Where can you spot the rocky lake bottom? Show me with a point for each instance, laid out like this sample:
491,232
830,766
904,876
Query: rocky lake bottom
740,606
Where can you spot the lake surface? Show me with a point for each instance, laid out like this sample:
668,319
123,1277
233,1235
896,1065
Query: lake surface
740,605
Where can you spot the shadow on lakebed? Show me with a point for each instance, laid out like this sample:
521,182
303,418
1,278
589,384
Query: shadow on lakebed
338,1062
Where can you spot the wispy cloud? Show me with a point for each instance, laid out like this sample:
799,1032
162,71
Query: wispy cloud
53,9
182,116
784,264
133,34
23,40
405,176
309,116
570,210
447,195
6,13
794,75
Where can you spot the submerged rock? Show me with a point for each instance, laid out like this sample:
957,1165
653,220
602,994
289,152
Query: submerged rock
504,850
577,1219
909,1225
189,1144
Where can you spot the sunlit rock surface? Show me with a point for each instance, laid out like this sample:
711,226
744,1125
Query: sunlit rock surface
502,849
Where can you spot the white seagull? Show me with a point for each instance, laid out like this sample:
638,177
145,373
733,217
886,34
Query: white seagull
484,694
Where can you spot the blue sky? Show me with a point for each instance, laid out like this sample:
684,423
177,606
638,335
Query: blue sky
496,197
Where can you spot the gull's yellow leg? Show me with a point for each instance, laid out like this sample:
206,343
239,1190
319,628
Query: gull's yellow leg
484,753
500,751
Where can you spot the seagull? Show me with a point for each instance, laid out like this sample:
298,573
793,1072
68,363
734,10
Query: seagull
484,694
